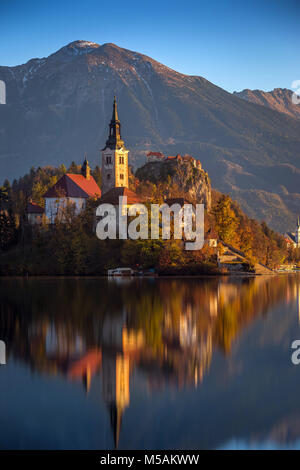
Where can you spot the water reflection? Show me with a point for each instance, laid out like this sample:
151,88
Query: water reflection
167,331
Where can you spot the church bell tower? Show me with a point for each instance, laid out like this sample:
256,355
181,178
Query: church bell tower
114,157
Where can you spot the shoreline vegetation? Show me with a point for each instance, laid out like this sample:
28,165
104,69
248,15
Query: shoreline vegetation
71,248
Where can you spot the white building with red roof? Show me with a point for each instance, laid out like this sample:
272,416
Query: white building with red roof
293,238
71,189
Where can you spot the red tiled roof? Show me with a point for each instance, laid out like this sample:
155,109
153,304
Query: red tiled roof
70,185
112,196
171,157
92,360
155,154
33,208
290,237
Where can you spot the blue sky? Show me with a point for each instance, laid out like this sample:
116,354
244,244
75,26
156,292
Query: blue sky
234,44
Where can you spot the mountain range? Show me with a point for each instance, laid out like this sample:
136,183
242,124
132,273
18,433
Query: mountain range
279,99
59,107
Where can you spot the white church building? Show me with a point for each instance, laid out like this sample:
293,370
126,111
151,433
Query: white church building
71,189
293,238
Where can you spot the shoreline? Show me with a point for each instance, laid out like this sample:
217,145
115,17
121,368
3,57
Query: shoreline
177,276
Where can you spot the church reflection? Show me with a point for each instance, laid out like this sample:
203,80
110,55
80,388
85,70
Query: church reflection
166,329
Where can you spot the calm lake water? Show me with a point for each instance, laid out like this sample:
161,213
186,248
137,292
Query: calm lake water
150,364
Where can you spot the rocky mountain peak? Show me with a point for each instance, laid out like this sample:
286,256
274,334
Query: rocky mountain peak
81,45
279,99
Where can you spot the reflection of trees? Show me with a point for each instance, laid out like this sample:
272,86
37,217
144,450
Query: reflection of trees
253,298
51,323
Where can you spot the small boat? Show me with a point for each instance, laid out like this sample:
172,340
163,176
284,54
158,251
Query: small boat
120,272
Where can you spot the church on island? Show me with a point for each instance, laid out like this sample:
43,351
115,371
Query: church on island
77,188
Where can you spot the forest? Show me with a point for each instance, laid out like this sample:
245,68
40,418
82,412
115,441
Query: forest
70,247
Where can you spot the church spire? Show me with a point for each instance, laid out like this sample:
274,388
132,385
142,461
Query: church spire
114,140
298,222
115,111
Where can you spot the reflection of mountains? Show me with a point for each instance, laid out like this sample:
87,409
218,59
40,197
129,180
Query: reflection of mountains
167,328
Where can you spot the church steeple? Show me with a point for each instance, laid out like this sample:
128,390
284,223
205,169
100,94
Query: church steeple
114,156
85,169
115,111
114,140
297,234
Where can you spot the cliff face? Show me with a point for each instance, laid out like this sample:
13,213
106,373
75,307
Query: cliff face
189,180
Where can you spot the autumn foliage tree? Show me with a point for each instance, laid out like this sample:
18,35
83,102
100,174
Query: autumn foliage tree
226,222
70,246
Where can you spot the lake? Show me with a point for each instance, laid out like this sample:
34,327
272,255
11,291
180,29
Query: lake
196,363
